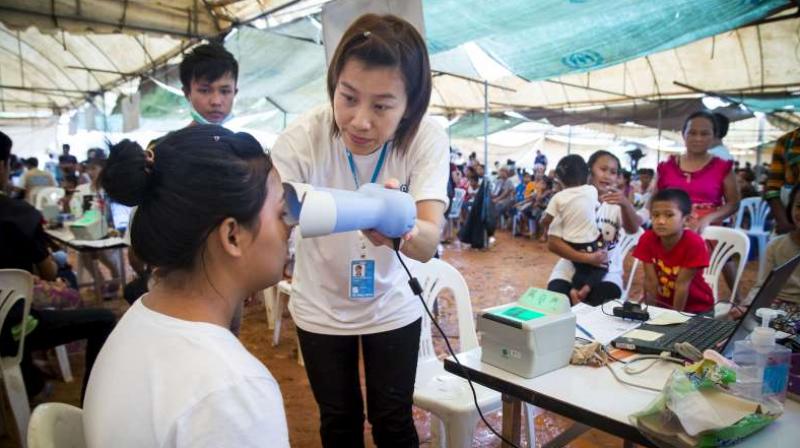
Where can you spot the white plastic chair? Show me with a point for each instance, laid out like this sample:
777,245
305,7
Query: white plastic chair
730,242
454,217
56,425
759,210
276,299
15,285
446,396
627,243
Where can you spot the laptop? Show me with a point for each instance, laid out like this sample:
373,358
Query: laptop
705,332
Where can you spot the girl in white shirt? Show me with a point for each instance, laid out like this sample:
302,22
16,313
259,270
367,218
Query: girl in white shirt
172,374
373,130
614,216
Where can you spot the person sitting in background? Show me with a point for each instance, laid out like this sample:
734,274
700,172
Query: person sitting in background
34,178
25,247
783,174
570,216
718,149
172,374
780,250
625,179
745,179
535,213
93,197
641,197
615,218
674,257
503,194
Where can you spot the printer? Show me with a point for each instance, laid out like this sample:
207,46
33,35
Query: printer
91,226
529,337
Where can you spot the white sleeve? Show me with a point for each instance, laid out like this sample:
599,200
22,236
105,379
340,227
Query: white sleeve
431,163
126,239
552,209
291,154
245,415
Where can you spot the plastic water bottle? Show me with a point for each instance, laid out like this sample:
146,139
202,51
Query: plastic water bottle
763,371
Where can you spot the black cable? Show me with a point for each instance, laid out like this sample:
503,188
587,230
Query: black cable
417,290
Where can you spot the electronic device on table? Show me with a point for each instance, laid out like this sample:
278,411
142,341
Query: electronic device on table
91,226
531,336
704,332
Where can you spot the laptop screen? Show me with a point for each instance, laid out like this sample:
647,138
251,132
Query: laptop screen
769,290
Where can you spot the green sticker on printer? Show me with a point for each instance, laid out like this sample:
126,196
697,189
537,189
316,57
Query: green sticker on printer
523,314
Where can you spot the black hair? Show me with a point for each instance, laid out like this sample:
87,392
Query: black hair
201,175
31,162
677,197
792,198
722,125
646,171
601,153
626,175
5,147
96,161
572,170
387,41
207,62
548,183
701,114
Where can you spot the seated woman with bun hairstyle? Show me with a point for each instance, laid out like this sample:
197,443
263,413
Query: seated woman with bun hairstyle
210,223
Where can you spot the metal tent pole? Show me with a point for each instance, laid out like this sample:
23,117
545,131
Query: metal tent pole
486,125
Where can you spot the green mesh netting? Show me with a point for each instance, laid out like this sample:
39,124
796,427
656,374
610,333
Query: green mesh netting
471,125
766,105
546,38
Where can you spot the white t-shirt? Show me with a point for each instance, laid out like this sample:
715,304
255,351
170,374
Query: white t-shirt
320,301
573,212
165,382
609,222
720,151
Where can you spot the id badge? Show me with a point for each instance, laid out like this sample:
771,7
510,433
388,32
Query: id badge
362,279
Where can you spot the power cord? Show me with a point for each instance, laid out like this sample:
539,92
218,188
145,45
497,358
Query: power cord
417,290
663,357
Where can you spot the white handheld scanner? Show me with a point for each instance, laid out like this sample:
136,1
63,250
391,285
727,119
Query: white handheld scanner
322,211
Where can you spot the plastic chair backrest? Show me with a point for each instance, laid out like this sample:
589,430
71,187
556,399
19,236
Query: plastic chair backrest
56,425
435,276
15,285
730,242
458,202
627,243
48,196
757,208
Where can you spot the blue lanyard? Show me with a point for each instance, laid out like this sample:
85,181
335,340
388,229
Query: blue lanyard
377,167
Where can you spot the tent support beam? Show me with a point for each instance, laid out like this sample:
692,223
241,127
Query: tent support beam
592,89
85,20
467,78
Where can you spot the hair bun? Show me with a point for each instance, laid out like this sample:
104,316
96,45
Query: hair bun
126,177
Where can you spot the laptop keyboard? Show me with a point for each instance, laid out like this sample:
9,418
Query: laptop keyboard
702,333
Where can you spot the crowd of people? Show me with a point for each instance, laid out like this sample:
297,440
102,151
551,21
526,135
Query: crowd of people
208,227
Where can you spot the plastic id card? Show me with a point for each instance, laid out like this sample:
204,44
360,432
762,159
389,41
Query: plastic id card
362,279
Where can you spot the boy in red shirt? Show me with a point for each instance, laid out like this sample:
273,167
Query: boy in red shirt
674,257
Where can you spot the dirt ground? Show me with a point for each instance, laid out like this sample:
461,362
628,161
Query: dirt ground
498,275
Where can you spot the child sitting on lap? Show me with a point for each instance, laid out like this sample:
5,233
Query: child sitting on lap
674,257
571,217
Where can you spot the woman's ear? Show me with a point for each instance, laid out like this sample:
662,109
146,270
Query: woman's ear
230,235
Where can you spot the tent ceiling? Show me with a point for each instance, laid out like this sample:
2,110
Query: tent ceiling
54,54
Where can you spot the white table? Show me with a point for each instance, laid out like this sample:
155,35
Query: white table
66,238
592,396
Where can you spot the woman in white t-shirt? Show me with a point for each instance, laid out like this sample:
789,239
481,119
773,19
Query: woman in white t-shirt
616,214
374,130
171,374
93,197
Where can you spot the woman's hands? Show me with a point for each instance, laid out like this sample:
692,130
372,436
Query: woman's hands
377,238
